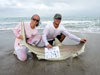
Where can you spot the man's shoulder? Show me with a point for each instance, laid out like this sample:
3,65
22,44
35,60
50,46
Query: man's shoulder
61,26
49,25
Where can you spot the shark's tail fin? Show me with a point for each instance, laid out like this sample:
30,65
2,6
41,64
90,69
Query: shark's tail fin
57,42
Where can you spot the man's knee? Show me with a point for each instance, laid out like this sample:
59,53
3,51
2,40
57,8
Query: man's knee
61,37
22,58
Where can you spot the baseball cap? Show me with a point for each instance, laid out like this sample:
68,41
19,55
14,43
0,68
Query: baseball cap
57,16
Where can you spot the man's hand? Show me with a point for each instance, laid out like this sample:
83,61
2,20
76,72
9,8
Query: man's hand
49,46
21,37
83,40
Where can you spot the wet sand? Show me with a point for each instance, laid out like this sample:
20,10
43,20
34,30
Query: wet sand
87,63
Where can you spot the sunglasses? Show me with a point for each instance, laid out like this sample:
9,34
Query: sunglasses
35,19
58,18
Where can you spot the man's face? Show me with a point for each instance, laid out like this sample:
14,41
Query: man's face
35,20
57,21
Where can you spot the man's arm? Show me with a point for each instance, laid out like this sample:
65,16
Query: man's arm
17,32
71,36
44,37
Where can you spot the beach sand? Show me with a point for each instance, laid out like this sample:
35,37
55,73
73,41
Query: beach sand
87,63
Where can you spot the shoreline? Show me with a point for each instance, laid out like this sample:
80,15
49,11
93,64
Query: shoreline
69,31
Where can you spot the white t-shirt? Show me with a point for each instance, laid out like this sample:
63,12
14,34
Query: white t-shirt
50,32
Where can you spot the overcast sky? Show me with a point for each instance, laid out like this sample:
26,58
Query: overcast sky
49,7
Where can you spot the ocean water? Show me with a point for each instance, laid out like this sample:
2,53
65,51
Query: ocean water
74,24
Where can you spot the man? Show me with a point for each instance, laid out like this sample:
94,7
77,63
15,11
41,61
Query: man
32,37
55,30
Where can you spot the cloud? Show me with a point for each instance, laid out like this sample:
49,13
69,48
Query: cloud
43,7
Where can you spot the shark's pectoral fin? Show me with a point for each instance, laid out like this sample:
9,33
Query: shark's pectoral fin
57,42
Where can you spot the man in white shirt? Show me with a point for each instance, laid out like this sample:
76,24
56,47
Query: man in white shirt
55,30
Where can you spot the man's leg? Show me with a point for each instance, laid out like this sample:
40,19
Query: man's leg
51,42
61,37
21,53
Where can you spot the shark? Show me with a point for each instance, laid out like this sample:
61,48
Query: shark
66,51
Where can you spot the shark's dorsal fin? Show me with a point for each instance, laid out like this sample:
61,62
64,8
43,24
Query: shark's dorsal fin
57,42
